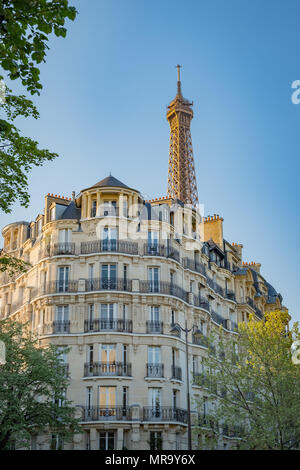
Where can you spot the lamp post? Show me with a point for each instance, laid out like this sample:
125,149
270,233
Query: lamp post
176,328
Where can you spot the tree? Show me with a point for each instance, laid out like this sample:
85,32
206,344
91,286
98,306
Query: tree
252,387
24,29
33,384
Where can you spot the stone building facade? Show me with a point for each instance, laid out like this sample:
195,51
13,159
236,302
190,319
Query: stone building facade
110,274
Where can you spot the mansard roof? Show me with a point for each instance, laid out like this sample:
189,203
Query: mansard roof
71,212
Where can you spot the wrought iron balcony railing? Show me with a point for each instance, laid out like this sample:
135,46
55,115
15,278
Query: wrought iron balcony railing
201,302
103,413
230,295
200,340
102,246
155,370
60,326
63,249
176,372
118,325
216,317
164,413
193,265
108,284
153,249
156,327
161,287
98,369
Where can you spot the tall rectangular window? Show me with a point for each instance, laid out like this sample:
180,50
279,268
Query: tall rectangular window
108,276
63,278
153,279
155,440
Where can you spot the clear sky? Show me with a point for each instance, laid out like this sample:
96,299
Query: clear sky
103,109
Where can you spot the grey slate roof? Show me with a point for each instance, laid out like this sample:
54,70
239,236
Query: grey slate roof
110,181
71,212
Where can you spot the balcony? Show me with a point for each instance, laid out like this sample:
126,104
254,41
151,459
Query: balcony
230,295
108,284
154,327
164,413
161,250
200,340
193,265
61,327
102,413
98,369
200,302
217,318
155,370
161,287
63,249
98,325
104,246
215,286
176,372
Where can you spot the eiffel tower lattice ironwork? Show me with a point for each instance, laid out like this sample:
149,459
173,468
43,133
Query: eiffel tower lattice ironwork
181,174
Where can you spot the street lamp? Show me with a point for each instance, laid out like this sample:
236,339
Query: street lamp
175,330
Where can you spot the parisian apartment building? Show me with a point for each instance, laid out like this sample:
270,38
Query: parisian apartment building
110,275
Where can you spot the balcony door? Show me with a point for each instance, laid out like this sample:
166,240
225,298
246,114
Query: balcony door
107,358
108,276
109,239
63,278
107,316
153,238
155,402
107,401
153,279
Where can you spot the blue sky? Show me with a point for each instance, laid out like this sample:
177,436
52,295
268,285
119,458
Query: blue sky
103,109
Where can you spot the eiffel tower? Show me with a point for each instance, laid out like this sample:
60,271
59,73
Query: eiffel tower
181,174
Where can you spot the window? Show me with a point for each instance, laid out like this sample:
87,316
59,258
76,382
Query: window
89,398
91,272
155,402
56,442
107,316
155,440
173,320
62,322
91,316
63,278
106,440
154,355
153,279
94,208
174,399
107,358
90,354
154,314
107,401
153,238
109,239
108,276
65,235
87,440
125,397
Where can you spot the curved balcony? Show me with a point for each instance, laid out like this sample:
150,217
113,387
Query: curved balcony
98,369
161,287
108,284
155,370
103,413
154,327
63,249
161,250
164,413
109,246
189,263
98,325
200,302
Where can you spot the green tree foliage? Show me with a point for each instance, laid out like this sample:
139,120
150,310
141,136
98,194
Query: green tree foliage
251,387
25,26
32,390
